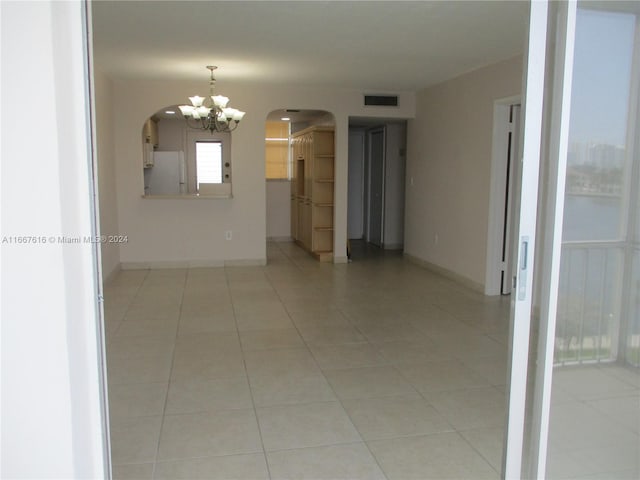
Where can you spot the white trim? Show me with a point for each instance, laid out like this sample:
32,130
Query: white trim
521,305
280,239
112,275
497,192
450,274
248,262
558,147
153,265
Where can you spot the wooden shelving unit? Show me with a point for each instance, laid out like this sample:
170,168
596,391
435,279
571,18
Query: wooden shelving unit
312,191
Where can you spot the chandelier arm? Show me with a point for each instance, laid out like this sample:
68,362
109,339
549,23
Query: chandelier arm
192,123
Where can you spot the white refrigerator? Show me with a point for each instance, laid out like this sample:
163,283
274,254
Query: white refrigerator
167,176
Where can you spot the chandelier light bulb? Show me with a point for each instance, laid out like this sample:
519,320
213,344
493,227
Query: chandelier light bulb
229,112
196,101
186,110
203,111
220,100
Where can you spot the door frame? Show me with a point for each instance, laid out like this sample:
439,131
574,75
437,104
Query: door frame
526,206
499,161
553,31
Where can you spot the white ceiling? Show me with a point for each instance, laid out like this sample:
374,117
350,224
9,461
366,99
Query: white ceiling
379,46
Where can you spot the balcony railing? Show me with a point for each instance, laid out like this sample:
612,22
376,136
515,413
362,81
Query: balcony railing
588,321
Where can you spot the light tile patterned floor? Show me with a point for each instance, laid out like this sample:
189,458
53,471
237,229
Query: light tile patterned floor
595,423
377,369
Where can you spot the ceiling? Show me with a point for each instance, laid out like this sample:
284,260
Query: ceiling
379,46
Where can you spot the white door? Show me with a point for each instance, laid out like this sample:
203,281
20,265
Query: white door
375,213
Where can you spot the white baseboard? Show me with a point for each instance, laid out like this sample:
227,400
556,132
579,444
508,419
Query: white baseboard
111,275
249,262
279,239
456,277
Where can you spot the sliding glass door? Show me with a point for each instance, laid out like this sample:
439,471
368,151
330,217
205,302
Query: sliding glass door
580,414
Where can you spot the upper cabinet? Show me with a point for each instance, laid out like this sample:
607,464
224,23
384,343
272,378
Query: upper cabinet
150,132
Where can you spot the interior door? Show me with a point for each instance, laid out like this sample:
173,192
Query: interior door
375,214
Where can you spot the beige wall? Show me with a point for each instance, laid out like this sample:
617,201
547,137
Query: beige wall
449,168
106,173
278,209
164,232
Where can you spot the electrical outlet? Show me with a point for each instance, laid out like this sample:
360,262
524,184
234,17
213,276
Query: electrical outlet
228,235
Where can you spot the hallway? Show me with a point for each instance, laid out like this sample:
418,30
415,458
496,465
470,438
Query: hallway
374,369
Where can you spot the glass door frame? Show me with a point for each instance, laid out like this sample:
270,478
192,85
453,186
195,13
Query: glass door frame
526,452
557,144
545,38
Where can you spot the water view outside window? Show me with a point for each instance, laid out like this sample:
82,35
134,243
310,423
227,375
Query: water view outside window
598,189
594,429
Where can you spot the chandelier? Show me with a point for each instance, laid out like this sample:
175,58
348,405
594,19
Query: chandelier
217,117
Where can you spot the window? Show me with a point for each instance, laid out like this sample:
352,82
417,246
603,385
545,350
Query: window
208,159
277,151
208,162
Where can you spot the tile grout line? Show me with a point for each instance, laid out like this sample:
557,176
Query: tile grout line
244,364
124,315
166,397
338,399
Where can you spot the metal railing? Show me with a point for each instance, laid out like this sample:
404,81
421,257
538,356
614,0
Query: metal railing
589,302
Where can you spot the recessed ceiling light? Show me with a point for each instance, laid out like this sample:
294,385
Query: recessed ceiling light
285,119
170,112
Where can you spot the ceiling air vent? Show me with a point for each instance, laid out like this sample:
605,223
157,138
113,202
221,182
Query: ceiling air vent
381,100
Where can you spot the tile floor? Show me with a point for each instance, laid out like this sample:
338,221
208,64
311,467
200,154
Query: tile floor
595,423
377,369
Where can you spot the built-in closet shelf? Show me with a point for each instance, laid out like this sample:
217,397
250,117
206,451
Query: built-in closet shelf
312,190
